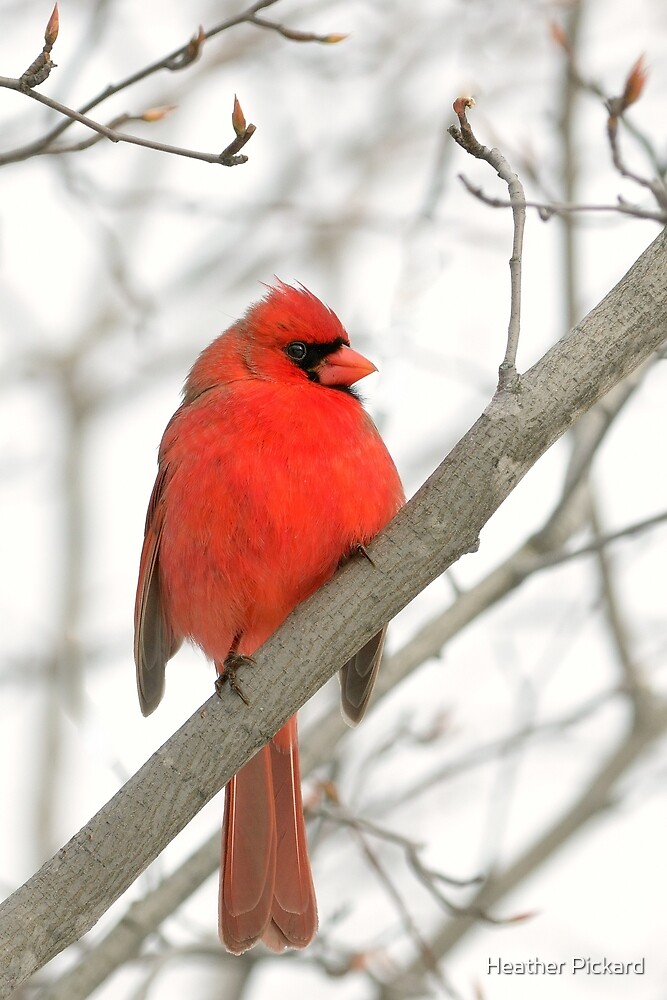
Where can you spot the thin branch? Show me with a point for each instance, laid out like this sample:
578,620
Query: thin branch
296,36
176,60
464,136
411,929
63,671
602,541
656,187
227,158
649,724
343,817
618,629
114,124
570,167
616,108
486,752
547,209
173,61
429,877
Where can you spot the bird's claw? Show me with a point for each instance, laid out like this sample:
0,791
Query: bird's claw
363,551
233,663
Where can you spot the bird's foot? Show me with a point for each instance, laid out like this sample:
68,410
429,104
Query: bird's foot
361,550
233,663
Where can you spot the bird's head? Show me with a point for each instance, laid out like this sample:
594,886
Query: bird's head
288,336
291,335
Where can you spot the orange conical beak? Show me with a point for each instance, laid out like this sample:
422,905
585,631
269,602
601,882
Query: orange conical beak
344,367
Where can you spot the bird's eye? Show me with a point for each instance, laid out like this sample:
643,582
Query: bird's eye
296,351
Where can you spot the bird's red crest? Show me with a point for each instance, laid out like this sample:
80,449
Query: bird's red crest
288,313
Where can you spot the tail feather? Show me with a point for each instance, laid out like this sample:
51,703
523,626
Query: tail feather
248,867
294,909
266,885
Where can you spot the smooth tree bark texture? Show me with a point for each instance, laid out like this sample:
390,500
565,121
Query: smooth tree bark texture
66,897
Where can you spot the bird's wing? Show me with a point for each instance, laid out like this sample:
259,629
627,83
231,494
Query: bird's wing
357,678
154,639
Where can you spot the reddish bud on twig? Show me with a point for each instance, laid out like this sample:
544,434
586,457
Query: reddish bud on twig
309,36
461,104
51,32
520,918
238,118
559,37
329,789
634,85
157,114
358,961
190,53
194,48
464,135
229,156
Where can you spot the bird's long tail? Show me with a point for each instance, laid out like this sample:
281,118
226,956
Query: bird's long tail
266,885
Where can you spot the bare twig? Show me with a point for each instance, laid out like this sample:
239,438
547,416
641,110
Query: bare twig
429,878
392,891
569,167
649,724
297,36
227,158
342,816
618,630
64,669
152,115
181,57
617,106
360,830
465,137
547,209
602,541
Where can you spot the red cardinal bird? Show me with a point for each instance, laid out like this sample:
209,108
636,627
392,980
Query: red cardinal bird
270,474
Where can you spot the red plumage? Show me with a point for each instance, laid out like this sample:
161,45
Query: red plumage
270,473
